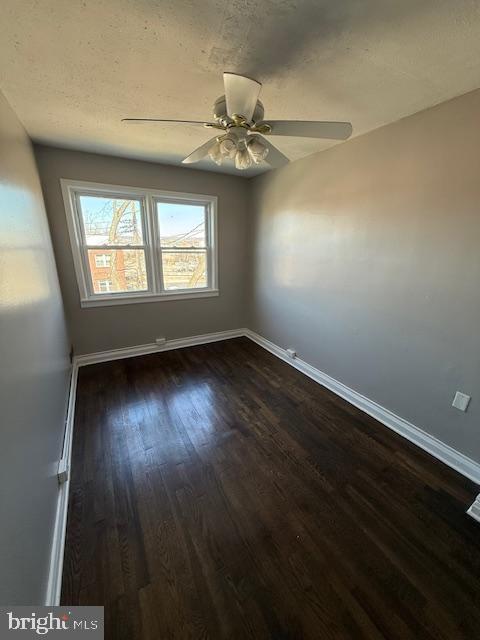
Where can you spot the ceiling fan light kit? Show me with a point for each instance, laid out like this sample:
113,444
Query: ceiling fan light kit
238,146
239,114
215,153
242,159
257,150
228,146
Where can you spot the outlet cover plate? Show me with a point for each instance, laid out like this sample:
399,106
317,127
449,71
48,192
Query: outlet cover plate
461,401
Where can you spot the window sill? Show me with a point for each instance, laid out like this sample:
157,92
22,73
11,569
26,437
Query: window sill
111,300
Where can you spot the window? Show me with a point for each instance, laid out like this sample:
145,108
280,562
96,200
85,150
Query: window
103,286
183,245
102,260
138,245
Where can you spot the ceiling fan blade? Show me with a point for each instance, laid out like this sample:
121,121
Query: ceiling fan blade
241,95
199,153
275,157
310,129
147,120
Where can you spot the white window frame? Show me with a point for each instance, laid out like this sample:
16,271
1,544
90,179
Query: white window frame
71,189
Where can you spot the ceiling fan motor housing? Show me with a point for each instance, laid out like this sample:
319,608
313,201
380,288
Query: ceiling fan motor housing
220,110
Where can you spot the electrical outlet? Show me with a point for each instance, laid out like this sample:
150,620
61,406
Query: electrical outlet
63,472
160,341
291,353
461,401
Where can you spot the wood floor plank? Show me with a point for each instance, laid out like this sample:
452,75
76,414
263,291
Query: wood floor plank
217,493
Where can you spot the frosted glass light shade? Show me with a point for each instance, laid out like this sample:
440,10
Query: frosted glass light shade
257,150
228,147
243,159
215,153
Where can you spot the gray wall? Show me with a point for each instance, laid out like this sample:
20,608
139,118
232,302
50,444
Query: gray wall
34,372
366,259
100,328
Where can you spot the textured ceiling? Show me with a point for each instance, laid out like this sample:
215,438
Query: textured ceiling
72,69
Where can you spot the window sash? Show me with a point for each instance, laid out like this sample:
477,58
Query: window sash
183,249
115,248
200,251
111,195
85,247
174,247
209,238
151,246
206,218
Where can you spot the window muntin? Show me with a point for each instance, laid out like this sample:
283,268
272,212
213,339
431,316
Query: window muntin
145,244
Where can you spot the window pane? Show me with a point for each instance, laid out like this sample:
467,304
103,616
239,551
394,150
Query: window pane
181,225
185,270
125,270
111,220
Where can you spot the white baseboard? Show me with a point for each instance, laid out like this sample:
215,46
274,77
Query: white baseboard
454,459
54,584
144,349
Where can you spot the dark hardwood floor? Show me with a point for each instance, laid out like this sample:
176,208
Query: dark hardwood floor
218,493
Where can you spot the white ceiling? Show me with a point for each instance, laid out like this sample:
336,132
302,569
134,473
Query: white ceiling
72,69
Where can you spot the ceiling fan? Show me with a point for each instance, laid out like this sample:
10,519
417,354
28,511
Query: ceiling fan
239,115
